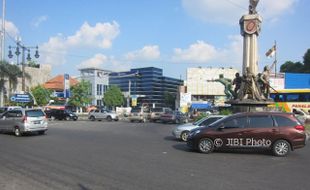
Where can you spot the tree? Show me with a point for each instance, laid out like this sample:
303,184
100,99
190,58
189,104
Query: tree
291,67
41,95
169,99
307,61
297,67
113,97
80,94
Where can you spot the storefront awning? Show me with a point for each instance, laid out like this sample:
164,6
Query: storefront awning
200,106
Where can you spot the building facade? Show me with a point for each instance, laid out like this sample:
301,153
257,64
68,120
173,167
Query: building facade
203,88
99,80
146,85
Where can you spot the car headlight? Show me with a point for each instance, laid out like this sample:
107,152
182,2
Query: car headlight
195,132
71,115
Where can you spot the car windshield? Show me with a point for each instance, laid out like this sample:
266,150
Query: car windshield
136,110
157,110
68,111
199,121
34,113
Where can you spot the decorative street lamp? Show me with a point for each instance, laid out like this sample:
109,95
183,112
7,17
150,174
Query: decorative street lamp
17,53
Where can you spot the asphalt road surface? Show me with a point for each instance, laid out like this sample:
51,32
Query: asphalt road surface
85,155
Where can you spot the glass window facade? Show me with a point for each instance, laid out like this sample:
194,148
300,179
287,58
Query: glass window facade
148,84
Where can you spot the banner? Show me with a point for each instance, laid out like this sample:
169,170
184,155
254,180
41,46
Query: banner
66,86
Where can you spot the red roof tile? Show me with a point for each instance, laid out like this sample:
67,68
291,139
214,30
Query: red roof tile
57,83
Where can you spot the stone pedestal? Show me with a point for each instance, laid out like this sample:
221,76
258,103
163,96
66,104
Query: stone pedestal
251,106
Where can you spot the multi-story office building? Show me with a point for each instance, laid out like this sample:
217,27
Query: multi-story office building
99,80
148,85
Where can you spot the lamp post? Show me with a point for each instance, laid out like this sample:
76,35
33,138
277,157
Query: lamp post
17,53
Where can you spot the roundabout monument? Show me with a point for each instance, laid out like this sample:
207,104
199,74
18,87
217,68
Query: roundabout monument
253,94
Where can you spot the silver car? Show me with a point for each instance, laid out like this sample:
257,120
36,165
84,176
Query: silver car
182,131
101,114
21,121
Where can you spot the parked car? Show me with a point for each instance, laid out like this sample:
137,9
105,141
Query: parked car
156,113
101,114
173,117
61,114
182,131
302,115
141,114
276,131
20,121
6,108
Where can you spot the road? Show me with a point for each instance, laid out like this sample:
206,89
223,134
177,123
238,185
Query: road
85,155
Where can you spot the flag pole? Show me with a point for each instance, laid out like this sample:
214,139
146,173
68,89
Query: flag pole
275,59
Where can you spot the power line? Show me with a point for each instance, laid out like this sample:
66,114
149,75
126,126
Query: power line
236,4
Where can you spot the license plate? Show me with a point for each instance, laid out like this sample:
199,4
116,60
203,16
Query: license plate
36,122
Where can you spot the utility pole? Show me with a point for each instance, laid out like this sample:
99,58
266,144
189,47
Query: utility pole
2,48
3,30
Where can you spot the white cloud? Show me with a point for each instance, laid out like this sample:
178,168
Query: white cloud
36,22
199,52
147,53
99,36
10,28
204,53
104,62
97,61
230,11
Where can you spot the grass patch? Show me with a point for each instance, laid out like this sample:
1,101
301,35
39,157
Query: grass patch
307,126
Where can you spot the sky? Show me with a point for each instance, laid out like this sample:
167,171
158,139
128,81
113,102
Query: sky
173,35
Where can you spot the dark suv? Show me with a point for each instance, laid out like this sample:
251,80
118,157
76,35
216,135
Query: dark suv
61,114
276,131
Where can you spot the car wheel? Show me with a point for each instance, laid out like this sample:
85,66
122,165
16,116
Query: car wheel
184,135
92,118
109,118
131,121
205,145
41,132
17,132
281,148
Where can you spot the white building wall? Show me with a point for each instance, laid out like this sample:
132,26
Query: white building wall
95,76
199,80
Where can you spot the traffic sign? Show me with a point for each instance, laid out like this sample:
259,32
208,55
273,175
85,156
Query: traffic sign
21,98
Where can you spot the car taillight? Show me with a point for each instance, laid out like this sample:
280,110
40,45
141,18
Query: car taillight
300,128
24,120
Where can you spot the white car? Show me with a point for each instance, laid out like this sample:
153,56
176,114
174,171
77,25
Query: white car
302,115
182,131
101,114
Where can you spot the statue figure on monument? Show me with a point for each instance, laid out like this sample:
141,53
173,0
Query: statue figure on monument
252,6
237,82
249,84
265,77
227,84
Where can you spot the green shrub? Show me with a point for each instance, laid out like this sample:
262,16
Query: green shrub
201,115
225,112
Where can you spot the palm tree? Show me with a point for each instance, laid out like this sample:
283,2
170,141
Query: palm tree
11,73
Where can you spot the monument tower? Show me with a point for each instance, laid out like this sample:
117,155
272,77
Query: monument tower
250,96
